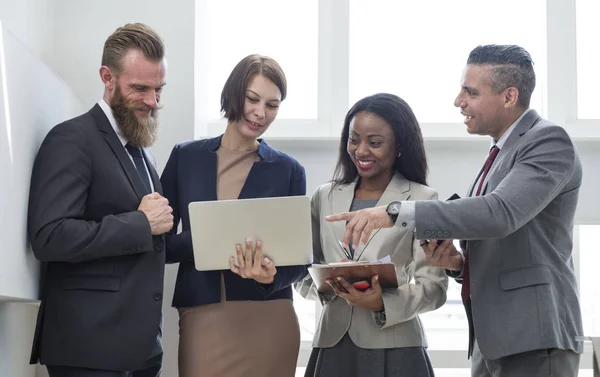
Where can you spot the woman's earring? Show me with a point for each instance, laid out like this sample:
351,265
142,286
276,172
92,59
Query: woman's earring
399,154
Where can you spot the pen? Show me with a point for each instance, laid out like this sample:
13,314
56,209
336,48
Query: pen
346,252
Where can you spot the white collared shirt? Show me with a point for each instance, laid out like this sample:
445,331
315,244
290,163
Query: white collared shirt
113,122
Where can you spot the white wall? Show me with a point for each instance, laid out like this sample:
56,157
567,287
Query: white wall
76,58
31,21
81,27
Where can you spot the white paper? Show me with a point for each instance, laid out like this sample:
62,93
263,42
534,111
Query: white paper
385,259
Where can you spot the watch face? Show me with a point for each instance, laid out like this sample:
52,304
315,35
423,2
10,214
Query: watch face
394,208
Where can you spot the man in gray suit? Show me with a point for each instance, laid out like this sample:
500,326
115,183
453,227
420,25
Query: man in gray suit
516,226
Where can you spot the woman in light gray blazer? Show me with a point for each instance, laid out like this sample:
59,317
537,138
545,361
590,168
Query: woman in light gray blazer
377,332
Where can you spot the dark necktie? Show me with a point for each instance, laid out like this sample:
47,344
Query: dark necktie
465,291
138,160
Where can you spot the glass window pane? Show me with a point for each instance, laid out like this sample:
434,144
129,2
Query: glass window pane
305,310
589,288
447,328
588,59
288,34
418,49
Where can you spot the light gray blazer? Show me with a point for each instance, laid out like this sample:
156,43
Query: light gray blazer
422,287
524,293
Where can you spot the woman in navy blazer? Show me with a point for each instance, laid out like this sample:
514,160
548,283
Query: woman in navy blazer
236,322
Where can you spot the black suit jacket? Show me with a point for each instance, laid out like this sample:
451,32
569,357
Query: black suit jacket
191,175
102,287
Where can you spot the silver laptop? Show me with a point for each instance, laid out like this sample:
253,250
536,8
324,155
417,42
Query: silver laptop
283,225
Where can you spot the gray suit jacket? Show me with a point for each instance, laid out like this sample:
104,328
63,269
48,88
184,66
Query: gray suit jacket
524,293
422,286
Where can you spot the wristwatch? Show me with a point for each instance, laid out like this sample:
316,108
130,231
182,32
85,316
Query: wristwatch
393,209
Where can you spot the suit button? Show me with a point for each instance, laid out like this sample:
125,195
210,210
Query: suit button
157,296
404,223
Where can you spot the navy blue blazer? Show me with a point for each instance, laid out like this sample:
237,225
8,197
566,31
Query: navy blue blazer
191,175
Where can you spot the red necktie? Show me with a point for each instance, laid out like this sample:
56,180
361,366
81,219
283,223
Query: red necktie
465,291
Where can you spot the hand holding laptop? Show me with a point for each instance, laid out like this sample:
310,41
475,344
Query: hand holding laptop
251,264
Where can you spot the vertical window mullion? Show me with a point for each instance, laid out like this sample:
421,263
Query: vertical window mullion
333,79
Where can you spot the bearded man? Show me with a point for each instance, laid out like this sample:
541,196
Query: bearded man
97,219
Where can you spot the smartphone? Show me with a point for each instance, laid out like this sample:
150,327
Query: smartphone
362,285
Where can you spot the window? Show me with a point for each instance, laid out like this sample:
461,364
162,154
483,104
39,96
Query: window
588,59
306,312
287,33
418,49
447,327
588,282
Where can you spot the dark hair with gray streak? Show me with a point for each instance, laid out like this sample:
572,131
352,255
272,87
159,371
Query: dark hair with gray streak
511,66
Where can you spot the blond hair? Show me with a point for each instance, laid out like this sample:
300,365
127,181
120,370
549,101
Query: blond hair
132,36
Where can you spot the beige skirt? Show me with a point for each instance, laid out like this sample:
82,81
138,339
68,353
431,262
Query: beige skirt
239,339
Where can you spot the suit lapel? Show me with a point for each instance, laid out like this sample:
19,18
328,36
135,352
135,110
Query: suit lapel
398,189
115,144
258,180
341,201
204,186
472,188
524,125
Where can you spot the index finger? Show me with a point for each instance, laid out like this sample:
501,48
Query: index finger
348,230
347,216
347,286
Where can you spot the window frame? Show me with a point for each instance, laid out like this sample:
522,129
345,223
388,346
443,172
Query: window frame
333,81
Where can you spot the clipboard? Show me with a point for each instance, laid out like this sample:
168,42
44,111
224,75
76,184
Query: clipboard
353,272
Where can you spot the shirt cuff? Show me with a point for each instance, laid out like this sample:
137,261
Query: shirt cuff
406,216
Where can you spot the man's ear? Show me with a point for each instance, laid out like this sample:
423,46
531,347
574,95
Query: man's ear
511,97
107,77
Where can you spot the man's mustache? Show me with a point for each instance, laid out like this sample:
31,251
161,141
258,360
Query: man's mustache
135,106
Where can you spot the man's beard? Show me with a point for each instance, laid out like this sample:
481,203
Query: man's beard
139,132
